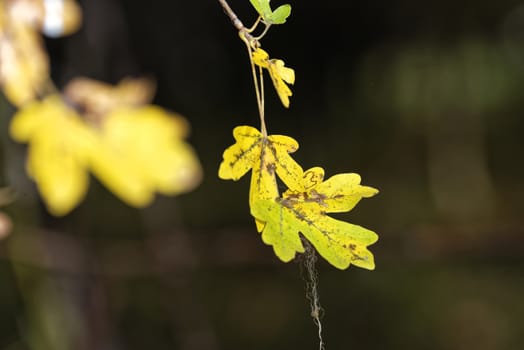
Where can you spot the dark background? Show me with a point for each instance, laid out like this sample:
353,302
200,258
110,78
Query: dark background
424,99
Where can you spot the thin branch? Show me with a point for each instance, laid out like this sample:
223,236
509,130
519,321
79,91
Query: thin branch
263,33
255,25
258,91
252,43
242,30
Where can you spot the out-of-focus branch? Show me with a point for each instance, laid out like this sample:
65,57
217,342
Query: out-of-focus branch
129,258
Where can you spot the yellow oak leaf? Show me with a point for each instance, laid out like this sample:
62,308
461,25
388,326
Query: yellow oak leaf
339,242
267,156
118,172
135,153
270,154
340,193
60,146
144,152
279,73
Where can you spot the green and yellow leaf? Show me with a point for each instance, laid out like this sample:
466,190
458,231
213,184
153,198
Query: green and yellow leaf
339,242
304,211
303,207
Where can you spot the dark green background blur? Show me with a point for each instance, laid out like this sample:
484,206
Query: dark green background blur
425,99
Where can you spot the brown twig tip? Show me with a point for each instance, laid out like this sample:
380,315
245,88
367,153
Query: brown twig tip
242,30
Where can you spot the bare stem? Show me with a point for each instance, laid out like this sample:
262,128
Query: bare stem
250,30
259,86
263,33
251,43
262,103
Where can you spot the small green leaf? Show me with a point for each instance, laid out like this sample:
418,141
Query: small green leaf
256,5
280,15
262,7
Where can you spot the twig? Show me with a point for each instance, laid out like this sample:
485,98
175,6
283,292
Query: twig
242,30
252,43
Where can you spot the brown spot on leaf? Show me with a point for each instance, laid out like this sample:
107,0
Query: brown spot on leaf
271,167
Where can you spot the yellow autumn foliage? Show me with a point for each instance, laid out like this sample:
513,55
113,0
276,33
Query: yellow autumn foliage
143,152
279,73
135,153
60,148
302,208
